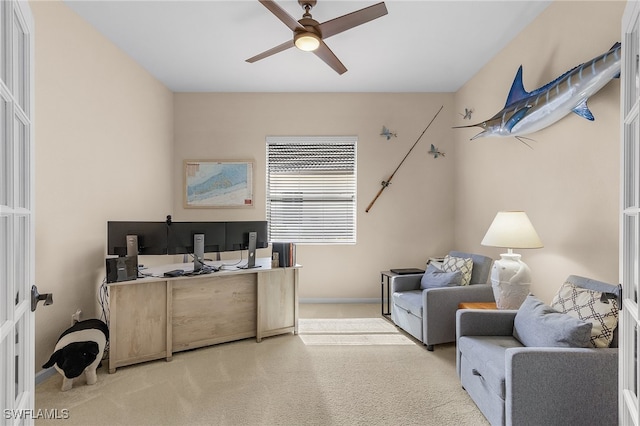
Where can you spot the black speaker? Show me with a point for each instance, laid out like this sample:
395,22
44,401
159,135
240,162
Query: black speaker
122,268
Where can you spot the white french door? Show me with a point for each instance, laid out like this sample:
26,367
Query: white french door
629,371
17,367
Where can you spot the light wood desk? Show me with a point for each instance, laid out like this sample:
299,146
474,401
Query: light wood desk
151,318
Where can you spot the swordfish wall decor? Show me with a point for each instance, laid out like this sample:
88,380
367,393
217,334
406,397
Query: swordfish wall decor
527,112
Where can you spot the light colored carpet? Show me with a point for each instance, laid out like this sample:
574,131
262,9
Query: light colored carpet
347,366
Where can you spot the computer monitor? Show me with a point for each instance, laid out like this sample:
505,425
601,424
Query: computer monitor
151,237
237,235
181,237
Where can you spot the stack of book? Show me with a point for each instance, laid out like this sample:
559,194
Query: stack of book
286,254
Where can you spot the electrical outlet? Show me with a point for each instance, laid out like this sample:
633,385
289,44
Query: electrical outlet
76,317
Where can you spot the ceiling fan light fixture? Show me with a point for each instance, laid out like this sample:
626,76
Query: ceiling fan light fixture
307,41
309,34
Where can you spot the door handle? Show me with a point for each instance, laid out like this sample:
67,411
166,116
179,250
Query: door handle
36,297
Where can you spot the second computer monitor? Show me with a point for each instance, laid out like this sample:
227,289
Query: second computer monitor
237,235
181,237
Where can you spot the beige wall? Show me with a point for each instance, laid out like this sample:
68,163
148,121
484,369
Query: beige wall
106,150
569,182
104,137
411,220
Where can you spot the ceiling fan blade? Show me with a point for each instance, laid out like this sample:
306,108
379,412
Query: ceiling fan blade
281,14
323,52
353,19
284,46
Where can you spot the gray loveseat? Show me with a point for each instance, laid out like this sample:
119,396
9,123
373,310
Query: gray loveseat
516,385
430,315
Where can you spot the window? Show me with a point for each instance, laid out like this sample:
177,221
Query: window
311,189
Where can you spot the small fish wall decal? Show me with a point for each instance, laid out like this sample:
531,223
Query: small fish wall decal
388,133
467,114
435,152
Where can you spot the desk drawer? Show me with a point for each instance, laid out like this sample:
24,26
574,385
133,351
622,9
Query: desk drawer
213,310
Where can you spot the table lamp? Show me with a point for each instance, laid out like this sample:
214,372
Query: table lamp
510,276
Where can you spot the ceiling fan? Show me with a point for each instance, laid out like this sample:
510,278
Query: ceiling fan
309,34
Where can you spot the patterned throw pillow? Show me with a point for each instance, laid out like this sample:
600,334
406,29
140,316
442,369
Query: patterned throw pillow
464,265
585,304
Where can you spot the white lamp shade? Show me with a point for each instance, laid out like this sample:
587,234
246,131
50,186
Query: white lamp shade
513,230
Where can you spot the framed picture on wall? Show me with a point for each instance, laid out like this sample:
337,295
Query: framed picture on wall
218,184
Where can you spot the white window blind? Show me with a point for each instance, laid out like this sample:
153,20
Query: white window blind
311,189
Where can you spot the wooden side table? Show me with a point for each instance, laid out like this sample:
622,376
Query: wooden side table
477,305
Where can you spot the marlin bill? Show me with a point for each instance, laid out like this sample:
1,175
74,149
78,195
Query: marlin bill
527,112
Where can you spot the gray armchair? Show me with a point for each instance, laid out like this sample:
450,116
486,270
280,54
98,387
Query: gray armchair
516,385
430,315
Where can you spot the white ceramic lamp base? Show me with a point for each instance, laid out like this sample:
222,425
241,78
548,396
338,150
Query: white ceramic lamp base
511,280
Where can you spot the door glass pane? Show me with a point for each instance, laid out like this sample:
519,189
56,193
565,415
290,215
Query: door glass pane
634,385
3,42
5,399
630,256
636,62
21,257
5,157
23,172
636,73
20,357
19,62
630,158
4,273
632,68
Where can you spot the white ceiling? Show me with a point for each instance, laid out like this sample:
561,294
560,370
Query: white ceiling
201,46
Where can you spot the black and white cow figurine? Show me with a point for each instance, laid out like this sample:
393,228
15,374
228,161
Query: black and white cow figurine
80,348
